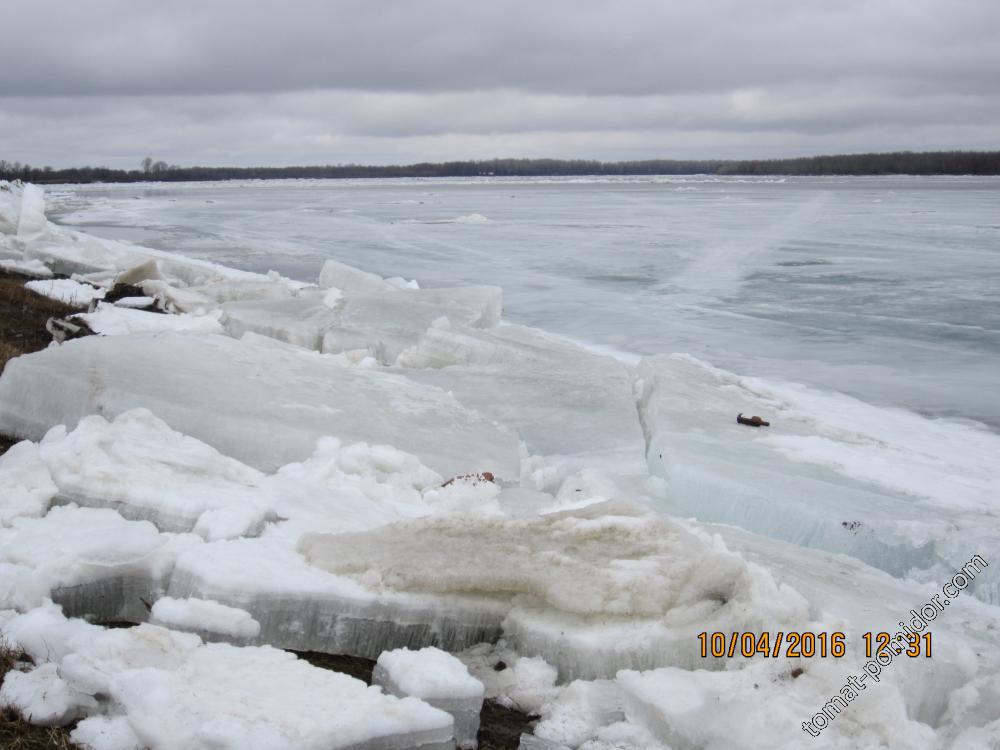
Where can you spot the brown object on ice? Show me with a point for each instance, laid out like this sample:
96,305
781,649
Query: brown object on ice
751,421
486,476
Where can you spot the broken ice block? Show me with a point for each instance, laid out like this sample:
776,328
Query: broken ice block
263,405
91,561
437,678
209,619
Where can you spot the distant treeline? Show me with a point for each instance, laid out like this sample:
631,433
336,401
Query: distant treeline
900,162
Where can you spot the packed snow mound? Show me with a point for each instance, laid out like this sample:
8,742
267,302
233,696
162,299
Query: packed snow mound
176,693
264,405
609,558
137,465
429,673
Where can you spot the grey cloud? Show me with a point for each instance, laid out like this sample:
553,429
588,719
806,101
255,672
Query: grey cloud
313,81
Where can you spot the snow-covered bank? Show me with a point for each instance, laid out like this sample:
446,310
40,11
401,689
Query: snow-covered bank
363,465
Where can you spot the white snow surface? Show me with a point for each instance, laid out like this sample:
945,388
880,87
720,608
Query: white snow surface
66,290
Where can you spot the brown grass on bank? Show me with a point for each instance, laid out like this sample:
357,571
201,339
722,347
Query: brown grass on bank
15,732
22,318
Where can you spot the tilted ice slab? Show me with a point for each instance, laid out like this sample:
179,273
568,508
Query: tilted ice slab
572,406
263,405
896,490
207,618
595,588
439,679
92,561
177,693
302,607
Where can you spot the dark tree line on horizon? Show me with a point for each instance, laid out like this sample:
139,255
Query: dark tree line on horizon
899,162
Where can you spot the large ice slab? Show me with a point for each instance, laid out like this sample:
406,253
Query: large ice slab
176,693
570,405
899,491
263,405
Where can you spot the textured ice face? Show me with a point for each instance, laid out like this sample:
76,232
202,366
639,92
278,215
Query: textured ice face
587,562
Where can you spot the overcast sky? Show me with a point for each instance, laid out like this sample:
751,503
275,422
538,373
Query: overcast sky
330,81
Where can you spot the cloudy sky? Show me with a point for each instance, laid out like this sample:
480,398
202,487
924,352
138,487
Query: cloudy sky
395,81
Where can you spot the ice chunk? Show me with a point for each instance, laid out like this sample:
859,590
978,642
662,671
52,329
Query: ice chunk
263,405
116,320
31,223
92,561
298,320
26,487
564,401
349,279
699,709
205,617
105,733
830,472
70,292
437,678
136,303
143,469
42,697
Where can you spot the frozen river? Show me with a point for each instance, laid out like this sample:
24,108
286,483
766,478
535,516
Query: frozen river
886,289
